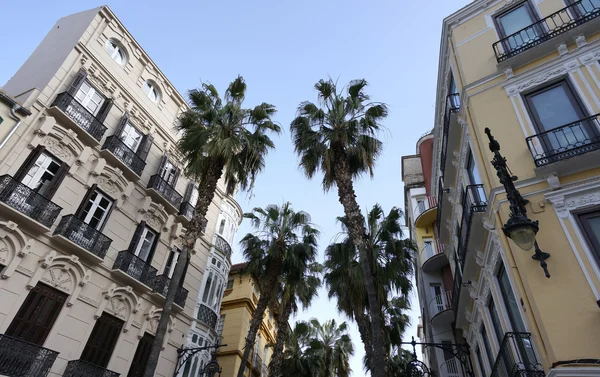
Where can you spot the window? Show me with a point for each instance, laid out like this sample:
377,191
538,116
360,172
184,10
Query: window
169,172
480,361
495,321
590,224
222,227
89,98
102,340
96,209
487,346
428,248
515,19
474,179
436,291
194,197
41,174
555,106
131,137
585,7
37,315
151,91
144,242
220,326
140,358
116,52
230,283
207,287
256,290
171,263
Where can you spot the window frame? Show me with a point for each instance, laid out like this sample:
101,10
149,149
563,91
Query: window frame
496,17
102,341
106,214
118,49
140,243
149,87
87,97
128,128
592,243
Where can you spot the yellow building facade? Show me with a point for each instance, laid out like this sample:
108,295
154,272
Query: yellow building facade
528,71
239,303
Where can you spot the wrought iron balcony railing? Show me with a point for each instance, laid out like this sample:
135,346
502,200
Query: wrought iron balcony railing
440,303
161,285
80,368
545,29
451,368
25,200
564,142
222,245
124,154
452,107
516,357
207,316
80,115
186,209
165,190
473,201
135,267
84,235
19,358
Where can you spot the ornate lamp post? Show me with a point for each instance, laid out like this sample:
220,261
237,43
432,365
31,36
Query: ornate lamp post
211,369
519,228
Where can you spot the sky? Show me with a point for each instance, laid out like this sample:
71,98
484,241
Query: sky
282,48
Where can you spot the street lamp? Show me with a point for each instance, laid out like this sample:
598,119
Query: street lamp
519,228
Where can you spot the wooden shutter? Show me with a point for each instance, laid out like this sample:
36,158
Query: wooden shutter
188,192
140,359
102,340
37,315
163,162
56,180
145,146
122,123
154,243
28,163
104,110
86,199
77,81
136,236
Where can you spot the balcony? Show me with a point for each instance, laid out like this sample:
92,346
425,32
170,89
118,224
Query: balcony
207,316
83,239
19,358
69,112
525,364
473,204
449,122
134,270
186,211
19,202
222,245
575,139
440,309
426,211
433,257
257,364
121,155
518,48
80,368
164,192
161,286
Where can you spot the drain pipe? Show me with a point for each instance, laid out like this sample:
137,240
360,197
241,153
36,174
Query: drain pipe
14,116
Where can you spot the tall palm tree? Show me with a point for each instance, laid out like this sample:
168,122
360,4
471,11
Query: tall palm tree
390,263
335,346
339,138
301,281
299,360
282,235
218,138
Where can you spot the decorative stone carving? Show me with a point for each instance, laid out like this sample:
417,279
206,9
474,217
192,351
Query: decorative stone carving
562,49
553,181
111,180
153,315
542,77
121,302
14,246
509,73
62,142
154,214
581,41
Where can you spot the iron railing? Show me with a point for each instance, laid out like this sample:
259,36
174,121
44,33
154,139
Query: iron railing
452,107
125,154
473,201
80,115
25,200
186,209
80,368
20,358
207,316
257,363
525,364
440,303
451,368
222,245
545,29
428,203
84,235
165,190
564,142
135,267
161,285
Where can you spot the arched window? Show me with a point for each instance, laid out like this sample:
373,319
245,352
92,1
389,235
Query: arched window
116,51
151,90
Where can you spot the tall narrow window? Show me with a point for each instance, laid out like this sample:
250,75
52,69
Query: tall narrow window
168,172
96,209
102,341
140,358
496,321
514,20
590,224
436,291
222,227
37,315
145,244
428,248
480,361
42,173
487,346
171,263
207,287
220,326
230,283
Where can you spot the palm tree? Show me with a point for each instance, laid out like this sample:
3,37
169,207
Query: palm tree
301,281
282,235
298,360
340,139
391,265
334,345
217,139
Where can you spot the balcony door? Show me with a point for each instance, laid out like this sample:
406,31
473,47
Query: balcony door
590,224
143,242
585,7
140,359
102,340
131,137
168,171
557,115
89,98
436,291
514,24
95,208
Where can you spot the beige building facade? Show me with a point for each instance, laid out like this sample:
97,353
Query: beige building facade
12,115
528,71
92,207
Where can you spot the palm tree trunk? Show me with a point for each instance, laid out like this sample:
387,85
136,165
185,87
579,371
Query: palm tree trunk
194,230
365,335
257,316
356,228
277,357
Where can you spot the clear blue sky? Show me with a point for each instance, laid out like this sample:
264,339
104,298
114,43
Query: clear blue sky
282,48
